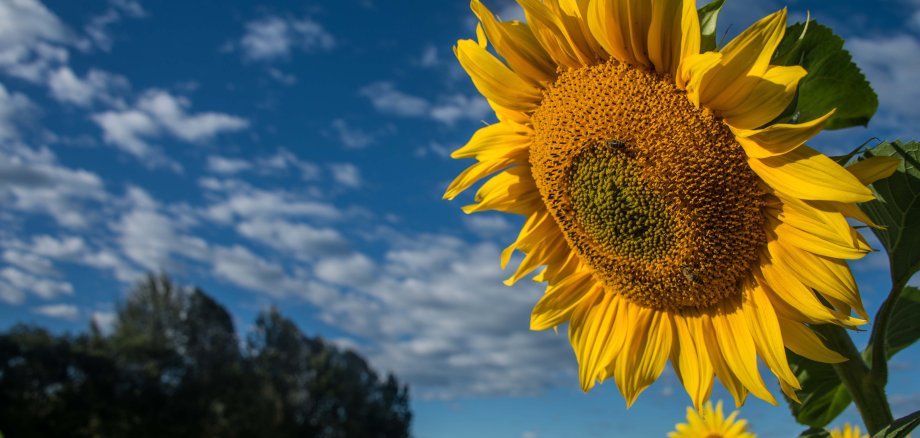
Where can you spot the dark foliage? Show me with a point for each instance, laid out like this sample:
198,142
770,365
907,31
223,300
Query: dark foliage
173,366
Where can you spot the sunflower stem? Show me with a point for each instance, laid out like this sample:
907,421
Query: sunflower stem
868,393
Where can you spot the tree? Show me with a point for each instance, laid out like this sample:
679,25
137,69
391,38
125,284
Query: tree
173,366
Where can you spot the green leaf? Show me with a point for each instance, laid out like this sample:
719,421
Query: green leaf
833,80
898,209
823,396
904,325
815,432
708,14
900,428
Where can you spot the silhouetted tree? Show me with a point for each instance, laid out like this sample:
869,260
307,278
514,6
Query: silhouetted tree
173,366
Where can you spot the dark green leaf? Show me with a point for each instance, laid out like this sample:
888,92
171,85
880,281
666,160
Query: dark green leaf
900,428
708,15
898,209
822,395
904,325
833,80
815,432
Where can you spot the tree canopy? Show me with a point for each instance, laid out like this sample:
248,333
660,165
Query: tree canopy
173,365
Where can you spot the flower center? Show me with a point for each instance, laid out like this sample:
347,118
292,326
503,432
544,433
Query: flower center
652,192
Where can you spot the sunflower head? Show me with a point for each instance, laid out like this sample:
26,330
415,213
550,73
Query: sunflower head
672,219
711,423
848,431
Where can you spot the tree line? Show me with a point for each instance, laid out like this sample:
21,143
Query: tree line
173,366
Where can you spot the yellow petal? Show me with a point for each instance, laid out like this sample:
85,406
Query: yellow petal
873,169
829,276
548,30
739,350
693,69
591,334
804,342
764,328
665,34
747,55
787,293
515,42
721,368
571,19
495,80
812,242
617,25
807,174
829,226
645,353
497,140
691,360
690,35
555,307
639,17
511,191
780,138
852,211
769,97
475,173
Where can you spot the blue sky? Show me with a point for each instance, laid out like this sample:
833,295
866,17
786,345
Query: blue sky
295,155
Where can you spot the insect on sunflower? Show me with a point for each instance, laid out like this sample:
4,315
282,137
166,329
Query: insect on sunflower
672,219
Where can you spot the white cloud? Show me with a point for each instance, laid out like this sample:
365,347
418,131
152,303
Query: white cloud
459,107
14,109
170,112
44,288
274,37
346,174
32,181
98,85
353,270
388,100
895,82
59,248
488,225
29,33
157,113
351,137
59,311
11,296
154,238
282,77
97,28
242,267
227,166
436,313
256,203
299,239
30,262
104,320
429,57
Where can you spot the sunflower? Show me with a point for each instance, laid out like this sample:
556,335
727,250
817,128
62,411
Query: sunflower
848,432
671,218
711,423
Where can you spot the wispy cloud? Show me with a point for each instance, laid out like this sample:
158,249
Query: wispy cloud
158,113
895,82
97,85
60,311
34,182
274,37
449,109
